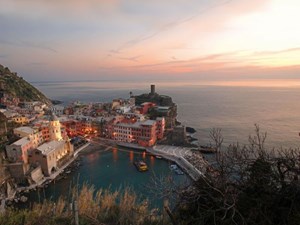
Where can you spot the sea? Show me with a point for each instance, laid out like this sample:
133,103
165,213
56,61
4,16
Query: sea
233,109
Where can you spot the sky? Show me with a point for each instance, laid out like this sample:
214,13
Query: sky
168,40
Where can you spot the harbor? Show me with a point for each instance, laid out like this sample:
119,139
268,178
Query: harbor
114,169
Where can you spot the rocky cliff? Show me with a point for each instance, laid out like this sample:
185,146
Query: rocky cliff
16,86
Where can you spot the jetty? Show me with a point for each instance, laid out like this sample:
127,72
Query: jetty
179,156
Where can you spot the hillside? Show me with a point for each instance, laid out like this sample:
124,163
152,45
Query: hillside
16,86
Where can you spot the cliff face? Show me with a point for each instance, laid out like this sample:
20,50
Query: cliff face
16,86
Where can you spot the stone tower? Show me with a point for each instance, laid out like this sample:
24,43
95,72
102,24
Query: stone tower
152,89
54,128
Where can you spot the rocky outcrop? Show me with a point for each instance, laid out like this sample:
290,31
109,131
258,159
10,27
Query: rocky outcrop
170,111
15,86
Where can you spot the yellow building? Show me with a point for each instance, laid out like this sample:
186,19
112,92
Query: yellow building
51,155
55,128
20,120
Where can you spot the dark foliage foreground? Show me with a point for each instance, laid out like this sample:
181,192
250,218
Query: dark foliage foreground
250,185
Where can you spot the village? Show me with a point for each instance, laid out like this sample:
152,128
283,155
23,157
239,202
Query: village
48,138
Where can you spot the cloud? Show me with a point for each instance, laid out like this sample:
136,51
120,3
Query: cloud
133,59
262,53
28,44
169,26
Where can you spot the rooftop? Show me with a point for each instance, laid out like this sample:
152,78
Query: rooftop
27,130
51,146
23,141
148,122
147,103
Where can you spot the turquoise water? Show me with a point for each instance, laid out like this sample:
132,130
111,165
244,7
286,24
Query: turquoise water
114,169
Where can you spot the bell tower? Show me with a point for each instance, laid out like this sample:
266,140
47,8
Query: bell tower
54,128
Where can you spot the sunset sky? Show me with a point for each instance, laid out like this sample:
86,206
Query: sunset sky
184,40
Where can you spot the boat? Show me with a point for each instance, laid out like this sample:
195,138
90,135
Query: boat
141,166
158,157
179,172
207,149
173,167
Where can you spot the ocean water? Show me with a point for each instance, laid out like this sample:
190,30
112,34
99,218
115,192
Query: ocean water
233,109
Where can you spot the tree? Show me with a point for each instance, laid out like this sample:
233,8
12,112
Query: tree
250,184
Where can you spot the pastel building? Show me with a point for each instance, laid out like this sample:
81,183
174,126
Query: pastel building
144,107
144,133
30,139
20,120
43,146
51,155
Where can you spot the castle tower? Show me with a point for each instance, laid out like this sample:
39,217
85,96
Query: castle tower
152,89
54,128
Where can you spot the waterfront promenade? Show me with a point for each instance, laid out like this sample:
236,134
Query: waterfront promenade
179,156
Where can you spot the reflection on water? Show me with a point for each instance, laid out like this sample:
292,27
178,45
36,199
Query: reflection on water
114,169
131,156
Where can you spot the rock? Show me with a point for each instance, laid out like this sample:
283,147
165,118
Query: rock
190,130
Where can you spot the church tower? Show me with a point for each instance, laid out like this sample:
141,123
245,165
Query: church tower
54,128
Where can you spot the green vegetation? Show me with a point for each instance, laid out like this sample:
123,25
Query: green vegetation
16,86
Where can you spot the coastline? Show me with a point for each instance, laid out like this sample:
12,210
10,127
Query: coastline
102,144
51,177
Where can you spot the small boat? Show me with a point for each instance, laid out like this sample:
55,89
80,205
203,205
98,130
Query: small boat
158,157
207,149
173,167
141,166
179,172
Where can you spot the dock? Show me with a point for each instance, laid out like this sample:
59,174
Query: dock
178,155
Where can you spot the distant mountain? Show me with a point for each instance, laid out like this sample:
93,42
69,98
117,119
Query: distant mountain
16,86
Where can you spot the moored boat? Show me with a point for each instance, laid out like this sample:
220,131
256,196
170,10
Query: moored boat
141,166
179,172
207,149
173,167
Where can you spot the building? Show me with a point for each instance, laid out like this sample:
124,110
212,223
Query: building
45,146
144,107
54,128
54,153
58,110
18,151
30,139
144,133
23,131
160,129
20,120
51,155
